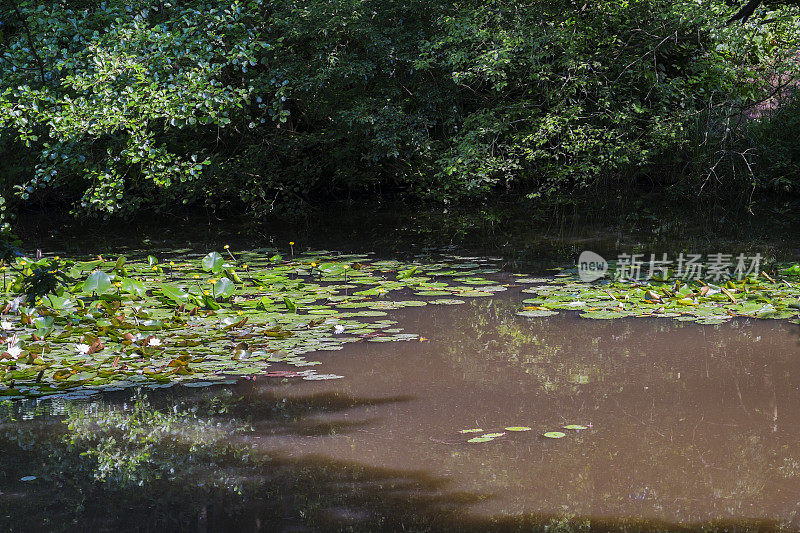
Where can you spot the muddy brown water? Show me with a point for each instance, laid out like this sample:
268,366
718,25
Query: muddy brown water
690,427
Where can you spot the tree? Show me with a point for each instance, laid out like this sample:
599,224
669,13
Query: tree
749,8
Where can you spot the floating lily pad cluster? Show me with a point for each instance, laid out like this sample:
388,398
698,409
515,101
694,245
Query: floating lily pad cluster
757,296
79,327
488,437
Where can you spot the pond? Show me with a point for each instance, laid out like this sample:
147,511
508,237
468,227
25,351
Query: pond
141,399
673,426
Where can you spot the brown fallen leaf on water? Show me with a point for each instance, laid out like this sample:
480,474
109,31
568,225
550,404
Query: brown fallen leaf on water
95,347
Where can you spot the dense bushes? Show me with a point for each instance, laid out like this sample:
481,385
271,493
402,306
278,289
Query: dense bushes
124,104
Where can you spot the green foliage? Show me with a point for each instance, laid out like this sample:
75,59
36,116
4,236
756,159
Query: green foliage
125,104
775,142
37,278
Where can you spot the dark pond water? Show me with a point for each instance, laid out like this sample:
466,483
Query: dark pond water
689,427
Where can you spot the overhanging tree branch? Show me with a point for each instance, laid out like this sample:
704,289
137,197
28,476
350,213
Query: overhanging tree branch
24,22
750,7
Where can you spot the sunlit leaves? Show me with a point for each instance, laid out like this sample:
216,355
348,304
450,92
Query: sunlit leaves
176,294
213,262
98,282
224,288
132,286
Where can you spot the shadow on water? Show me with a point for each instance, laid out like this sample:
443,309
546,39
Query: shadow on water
135,466
271,413
231,488
524,235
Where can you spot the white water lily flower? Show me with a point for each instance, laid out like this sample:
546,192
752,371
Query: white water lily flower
82,349
154,342
14,351
338,328
6,325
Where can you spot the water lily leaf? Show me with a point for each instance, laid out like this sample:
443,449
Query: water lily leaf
224,288
480,439
43,325
404,274
151,325
576,427
264,304
98,282
61,374
27,478
209,302
176,294
431,293
474,430
494,435
84,266
474,294
555,434
518,428
61,303
213,262
290,305
132,286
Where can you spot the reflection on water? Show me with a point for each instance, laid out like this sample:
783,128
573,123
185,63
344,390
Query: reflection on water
689,424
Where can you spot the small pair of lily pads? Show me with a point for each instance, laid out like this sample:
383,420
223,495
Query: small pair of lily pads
561,434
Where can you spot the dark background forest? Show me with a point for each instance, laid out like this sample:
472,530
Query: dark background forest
119,107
